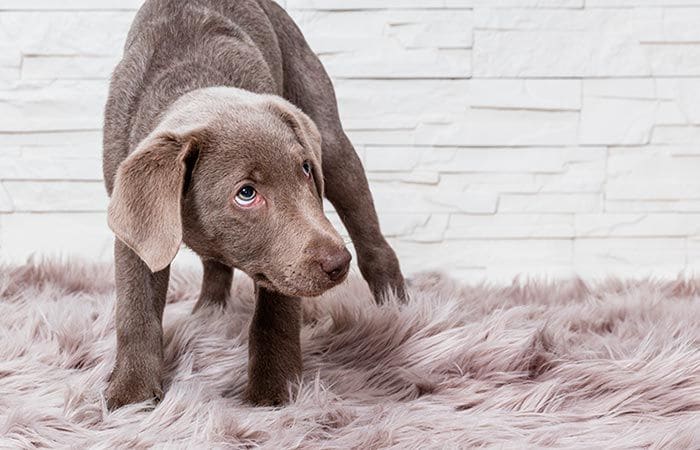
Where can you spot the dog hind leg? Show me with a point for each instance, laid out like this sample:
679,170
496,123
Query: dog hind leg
216,285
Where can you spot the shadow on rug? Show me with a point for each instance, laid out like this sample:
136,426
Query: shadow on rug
551,364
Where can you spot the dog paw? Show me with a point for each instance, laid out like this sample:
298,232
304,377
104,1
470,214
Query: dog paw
267,396
383,275
129,385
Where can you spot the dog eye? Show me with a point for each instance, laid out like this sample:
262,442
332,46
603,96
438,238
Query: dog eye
306,167
246,196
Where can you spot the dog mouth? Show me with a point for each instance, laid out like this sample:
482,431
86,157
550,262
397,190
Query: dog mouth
296,290
260,278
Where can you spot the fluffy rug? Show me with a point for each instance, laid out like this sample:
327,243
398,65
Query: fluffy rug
565,365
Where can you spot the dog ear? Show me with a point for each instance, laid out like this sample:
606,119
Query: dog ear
307,134
144,211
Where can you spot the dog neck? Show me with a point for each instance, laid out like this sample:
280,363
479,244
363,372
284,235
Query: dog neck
219,54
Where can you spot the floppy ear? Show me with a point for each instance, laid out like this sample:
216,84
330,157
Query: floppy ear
144,211
307,133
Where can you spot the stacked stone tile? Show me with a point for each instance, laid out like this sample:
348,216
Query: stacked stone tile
546,137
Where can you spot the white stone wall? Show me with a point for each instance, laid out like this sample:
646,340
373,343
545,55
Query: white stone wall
500,136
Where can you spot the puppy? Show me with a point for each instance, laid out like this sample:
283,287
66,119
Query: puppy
222,131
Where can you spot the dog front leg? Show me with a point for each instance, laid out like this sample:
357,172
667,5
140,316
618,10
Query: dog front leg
137,374
274,350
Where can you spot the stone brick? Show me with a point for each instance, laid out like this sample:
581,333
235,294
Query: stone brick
373,62
546,4
5,201
495,182
404,198
675,134
83,141
549,203
343,5
538,42
55,235
56,196
63,150
637,22
643,257
397,225
637,3
393,159
684,93
525,94
432,230
68,67
547,54
53,106
66,32
636,225
14,151
630,111
392,43
69,5
623,88
652,206
408,226
579,170
355,5
674,60
397,136
579,176
415,177
50,167
456,160
516,256
395,103
10,56
490,127
639,174
677,25
510,226
617,121
693,262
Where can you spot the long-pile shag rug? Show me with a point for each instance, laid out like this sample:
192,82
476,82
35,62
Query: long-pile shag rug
565,365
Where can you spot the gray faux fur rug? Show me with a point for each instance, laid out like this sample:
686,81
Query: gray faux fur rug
562,365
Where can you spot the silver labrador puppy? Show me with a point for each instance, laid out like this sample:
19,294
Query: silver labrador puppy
221,131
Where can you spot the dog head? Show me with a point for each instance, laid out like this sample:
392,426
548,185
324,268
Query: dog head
237,177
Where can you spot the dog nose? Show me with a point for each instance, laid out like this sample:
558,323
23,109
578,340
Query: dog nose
336,264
